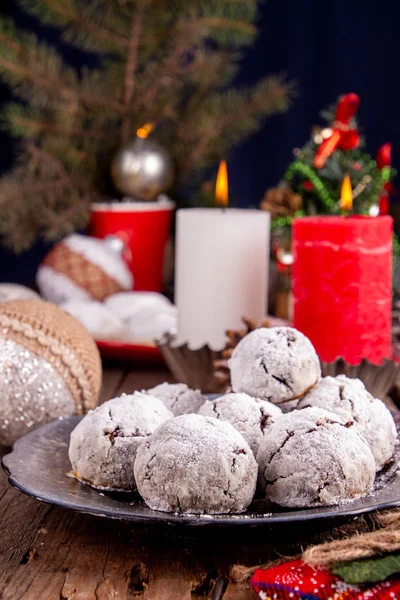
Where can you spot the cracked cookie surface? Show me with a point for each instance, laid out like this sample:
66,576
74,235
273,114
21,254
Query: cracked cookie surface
313,458
250,416
103,445
195,464
278,364
349,399
178,397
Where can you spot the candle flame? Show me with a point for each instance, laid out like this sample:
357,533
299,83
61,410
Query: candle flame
346,196
144,131
221,186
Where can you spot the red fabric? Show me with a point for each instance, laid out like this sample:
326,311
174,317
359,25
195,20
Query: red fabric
296,580
343,136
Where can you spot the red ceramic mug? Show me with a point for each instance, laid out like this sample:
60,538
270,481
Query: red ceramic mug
145,228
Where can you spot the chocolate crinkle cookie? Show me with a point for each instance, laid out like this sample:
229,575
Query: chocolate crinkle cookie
313,458
103,445
178,397
278,364
250,416
349,399
196,464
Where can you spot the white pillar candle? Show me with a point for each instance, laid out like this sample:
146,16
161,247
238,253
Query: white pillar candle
222,263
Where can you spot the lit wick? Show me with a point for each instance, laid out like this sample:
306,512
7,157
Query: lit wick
221,186
346,195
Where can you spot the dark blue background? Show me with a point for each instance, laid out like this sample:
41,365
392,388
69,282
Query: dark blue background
329,48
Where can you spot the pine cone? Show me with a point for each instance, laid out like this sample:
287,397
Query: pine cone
221,370
281,202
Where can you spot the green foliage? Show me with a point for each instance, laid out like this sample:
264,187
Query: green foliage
369,570
320,189
161,61
323,198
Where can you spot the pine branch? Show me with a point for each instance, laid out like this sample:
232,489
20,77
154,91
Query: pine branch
36,71
29,123
37,196
185,36
39,161
79,24
229,117
227,24
130,72
160,60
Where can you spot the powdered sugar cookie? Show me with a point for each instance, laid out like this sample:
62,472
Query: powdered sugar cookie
250,416
138,306
99,320
349,399
196,464
149,328
311,457
14,291
178,397
278,364
103,445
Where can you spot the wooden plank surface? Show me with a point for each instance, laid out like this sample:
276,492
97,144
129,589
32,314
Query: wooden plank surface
47,553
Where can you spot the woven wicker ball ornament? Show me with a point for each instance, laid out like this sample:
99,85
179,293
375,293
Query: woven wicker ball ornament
83,268
49,367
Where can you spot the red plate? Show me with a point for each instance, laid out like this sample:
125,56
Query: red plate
144,352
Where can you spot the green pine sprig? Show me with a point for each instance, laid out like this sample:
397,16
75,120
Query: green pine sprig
161,61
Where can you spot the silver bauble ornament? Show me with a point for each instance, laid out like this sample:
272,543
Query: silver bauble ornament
142,169
33,392
49,367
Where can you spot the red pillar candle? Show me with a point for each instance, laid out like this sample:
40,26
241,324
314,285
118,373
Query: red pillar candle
342,285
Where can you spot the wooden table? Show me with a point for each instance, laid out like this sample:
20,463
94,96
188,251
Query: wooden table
47,553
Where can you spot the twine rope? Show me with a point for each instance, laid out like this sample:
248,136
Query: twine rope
383,540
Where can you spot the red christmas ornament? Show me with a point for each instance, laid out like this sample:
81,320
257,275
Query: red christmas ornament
384,156
307,185
343,136
384,159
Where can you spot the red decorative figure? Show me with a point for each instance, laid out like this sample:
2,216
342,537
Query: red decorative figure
297,581
343,135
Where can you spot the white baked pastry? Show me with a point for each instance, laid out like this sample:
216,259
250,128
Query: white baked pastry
146,315
278,364
15,291
250,416
178,397
151,328
349,399
311,457
196,464
100,321
103,445
139,305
